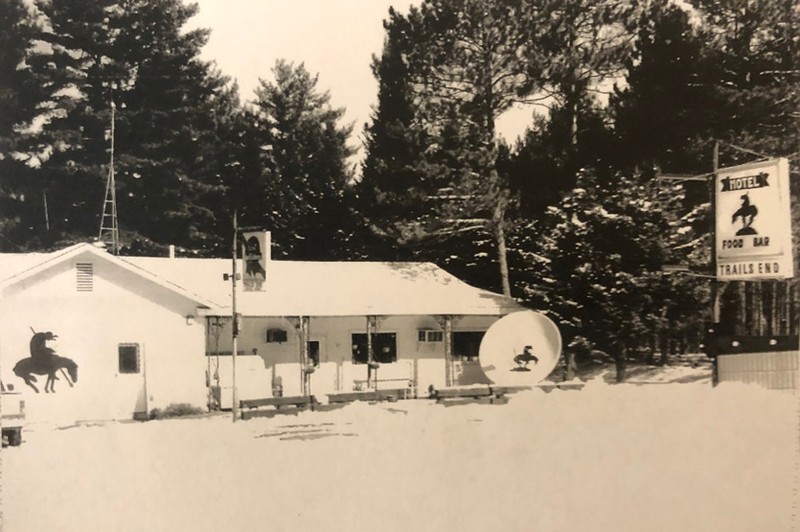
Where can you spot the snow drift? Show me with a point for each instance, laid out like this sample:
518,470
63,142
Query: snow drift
623,457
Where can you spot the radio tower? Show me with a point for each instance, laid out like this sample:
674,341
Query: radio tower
109,229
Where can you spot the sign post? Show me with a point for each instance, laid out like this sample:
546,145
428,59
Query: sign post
234,318
753,222
715,292
255,254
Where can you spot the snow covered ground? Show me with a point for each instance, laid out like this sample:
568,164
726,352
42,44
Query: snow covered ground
674,456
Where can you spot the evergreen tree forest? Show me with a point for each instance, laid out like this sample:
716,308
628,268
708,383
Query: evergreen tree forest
574,218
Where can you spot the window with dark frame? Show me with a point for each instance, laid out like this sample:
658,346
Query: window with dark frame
129,358
384,346
467,344
435,336
313,352
277,336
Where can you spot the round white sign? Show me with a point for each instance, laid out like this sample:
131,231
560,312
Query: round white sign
520,349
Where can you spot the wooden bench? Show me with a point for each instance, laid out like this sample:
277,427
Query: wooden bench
349,397
491,392
571,385
364,384
249,407
387,394
399,393
516,389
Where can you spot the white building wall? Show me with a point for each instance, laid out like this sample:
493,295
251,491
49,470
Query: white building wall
422,362
90,326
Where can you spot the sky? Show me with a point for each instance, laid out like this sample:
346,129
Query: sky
335,39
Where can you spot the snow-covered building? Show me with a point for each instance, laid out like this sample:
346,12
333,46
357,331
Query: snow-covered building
149,331
423,325
137,339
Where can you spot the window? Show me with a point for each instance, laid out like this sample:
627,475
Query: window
467,344
128,358
424,335
84,276
384,346
276,336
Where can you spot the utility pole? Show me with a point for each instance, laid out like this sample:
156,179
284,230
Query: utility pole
235,318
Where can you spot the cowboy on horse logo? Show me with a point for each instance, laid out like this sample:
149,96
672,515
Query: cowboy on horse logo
747,212
45,361
523,359
254,272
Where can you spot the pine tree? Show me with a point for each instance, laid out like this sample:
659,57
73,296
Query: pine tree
17,83
453,66
389,190
541,165
585,45
18,99
757,55
306,172
598,261
665,115
134,55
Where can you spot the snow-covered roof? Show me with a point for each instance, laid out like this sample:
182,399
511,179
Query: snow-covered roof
310,288
293,288
16,267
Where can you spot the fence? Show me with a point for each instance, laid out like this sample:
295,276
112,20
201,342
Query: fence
760,308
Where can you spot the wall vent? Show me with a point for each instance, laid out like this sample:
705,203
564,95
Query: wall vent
84,276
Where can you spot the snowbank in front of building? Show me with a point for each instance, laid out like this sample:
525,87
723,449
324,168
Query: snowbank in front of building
621,457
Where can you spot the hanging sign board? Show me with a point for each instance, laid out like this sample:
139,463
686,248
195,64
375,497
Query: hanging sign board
254,255
753,221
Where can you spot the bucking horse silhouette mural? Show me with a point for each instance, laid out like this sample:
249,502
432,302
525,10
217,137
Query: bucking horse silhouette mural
45,361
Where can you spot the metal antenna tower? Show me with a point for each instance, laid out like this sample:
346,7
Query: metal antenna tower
109,228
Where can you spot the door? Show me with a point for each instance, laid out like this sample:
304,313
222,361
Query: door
131,389
324,378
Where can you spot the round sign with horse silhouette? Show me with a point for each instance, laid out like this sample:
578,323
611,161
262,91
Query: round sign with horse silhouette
520,349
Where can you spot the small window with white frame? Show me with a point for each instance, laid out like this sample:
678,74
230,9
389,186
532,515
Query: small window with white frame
428,335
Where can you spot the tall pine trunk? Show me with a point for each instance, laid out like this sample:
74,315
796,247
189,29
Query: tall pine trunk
496,188
498,226
664,347
620,362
